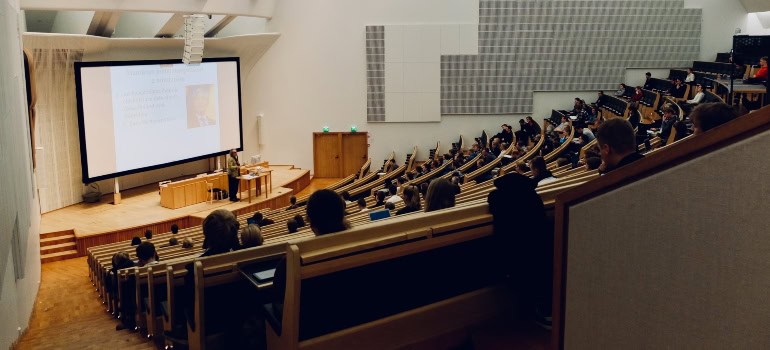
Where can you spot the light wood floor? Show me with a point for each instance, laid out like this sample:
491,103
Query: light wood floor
142,205
68,315
317,184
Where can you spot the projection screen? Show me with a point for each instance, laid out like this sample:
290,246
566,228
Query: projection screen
136,116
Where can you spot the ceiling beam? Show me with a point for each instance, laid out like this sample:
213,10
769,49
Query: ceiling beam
251,8
172,26
219,26
103,23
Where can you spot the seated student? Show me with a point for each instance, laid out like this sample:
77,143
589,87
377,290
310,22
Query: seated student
710,115
174,229
690,76
220,232
648,81
621,90
681,130
669,118
394,197
495,148
251,236
638,94
484,176
440,195
424,189
540,172
679,89
410,175
300,220
136,241
293,202
524,240
601,99
145,254
534,128
148,234
564,124
634,116
260,220
291,225
617,143
521,168
593,163
121,260
220,235
326,212
688,105
390,206
362,205
346,196
411,201
380,200
187,243
172,241
583,133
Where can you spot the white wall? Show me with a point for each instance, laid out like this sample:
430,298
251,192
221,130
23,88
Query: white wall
72,22
720,19
17,296
754,25
635,76
314,75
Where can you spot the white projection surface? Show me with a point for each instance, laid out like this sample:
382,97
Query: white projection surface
149,115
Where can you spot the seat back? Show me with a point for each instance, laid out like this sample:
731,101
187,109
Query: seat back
349,290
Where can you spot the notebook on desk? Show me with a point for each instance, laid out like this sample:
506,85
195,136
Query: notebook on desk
264,276
379,214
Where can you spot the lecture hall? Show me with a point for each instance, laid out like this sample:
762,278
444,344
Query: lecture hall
402,174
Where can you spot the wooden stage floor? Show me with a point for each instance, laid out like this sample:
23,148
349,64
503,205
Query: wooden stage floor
141,205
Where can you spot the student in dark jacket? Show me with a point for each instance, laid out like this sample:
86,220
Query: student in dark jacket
411,201
525,240
617,144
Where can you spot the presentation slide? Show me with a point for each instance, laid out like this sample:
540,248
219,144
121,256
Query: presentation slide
140,116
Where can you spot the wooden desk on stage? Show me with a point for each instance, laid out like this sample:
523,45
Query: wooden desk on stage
257,179
186,192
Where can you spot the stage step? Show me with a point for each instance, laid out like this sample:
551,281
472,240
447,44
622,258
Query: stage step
58,246
67,254
56,240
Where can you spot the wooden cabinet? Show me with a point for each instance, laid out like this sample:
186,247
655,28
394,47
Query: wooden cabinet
339,154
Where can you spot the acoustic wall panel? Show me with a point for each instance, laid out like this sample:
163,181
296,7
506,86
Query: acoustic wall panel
550,45
375,73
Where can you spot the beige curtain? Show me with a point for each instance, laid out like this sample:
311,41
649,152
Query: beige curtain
58,146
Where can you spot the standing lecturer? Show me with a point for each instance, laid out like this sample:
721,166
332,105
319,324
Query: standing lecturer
233,172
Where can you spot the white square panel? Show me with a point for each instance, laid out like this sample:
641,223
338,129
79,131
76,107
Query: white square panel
394,107
430,43
412,107
430,106
450,39
412,42
394,44
394,77
469,39
422,77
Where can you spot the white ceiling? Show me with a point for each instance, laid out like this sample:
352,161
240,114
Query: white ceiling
756,5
